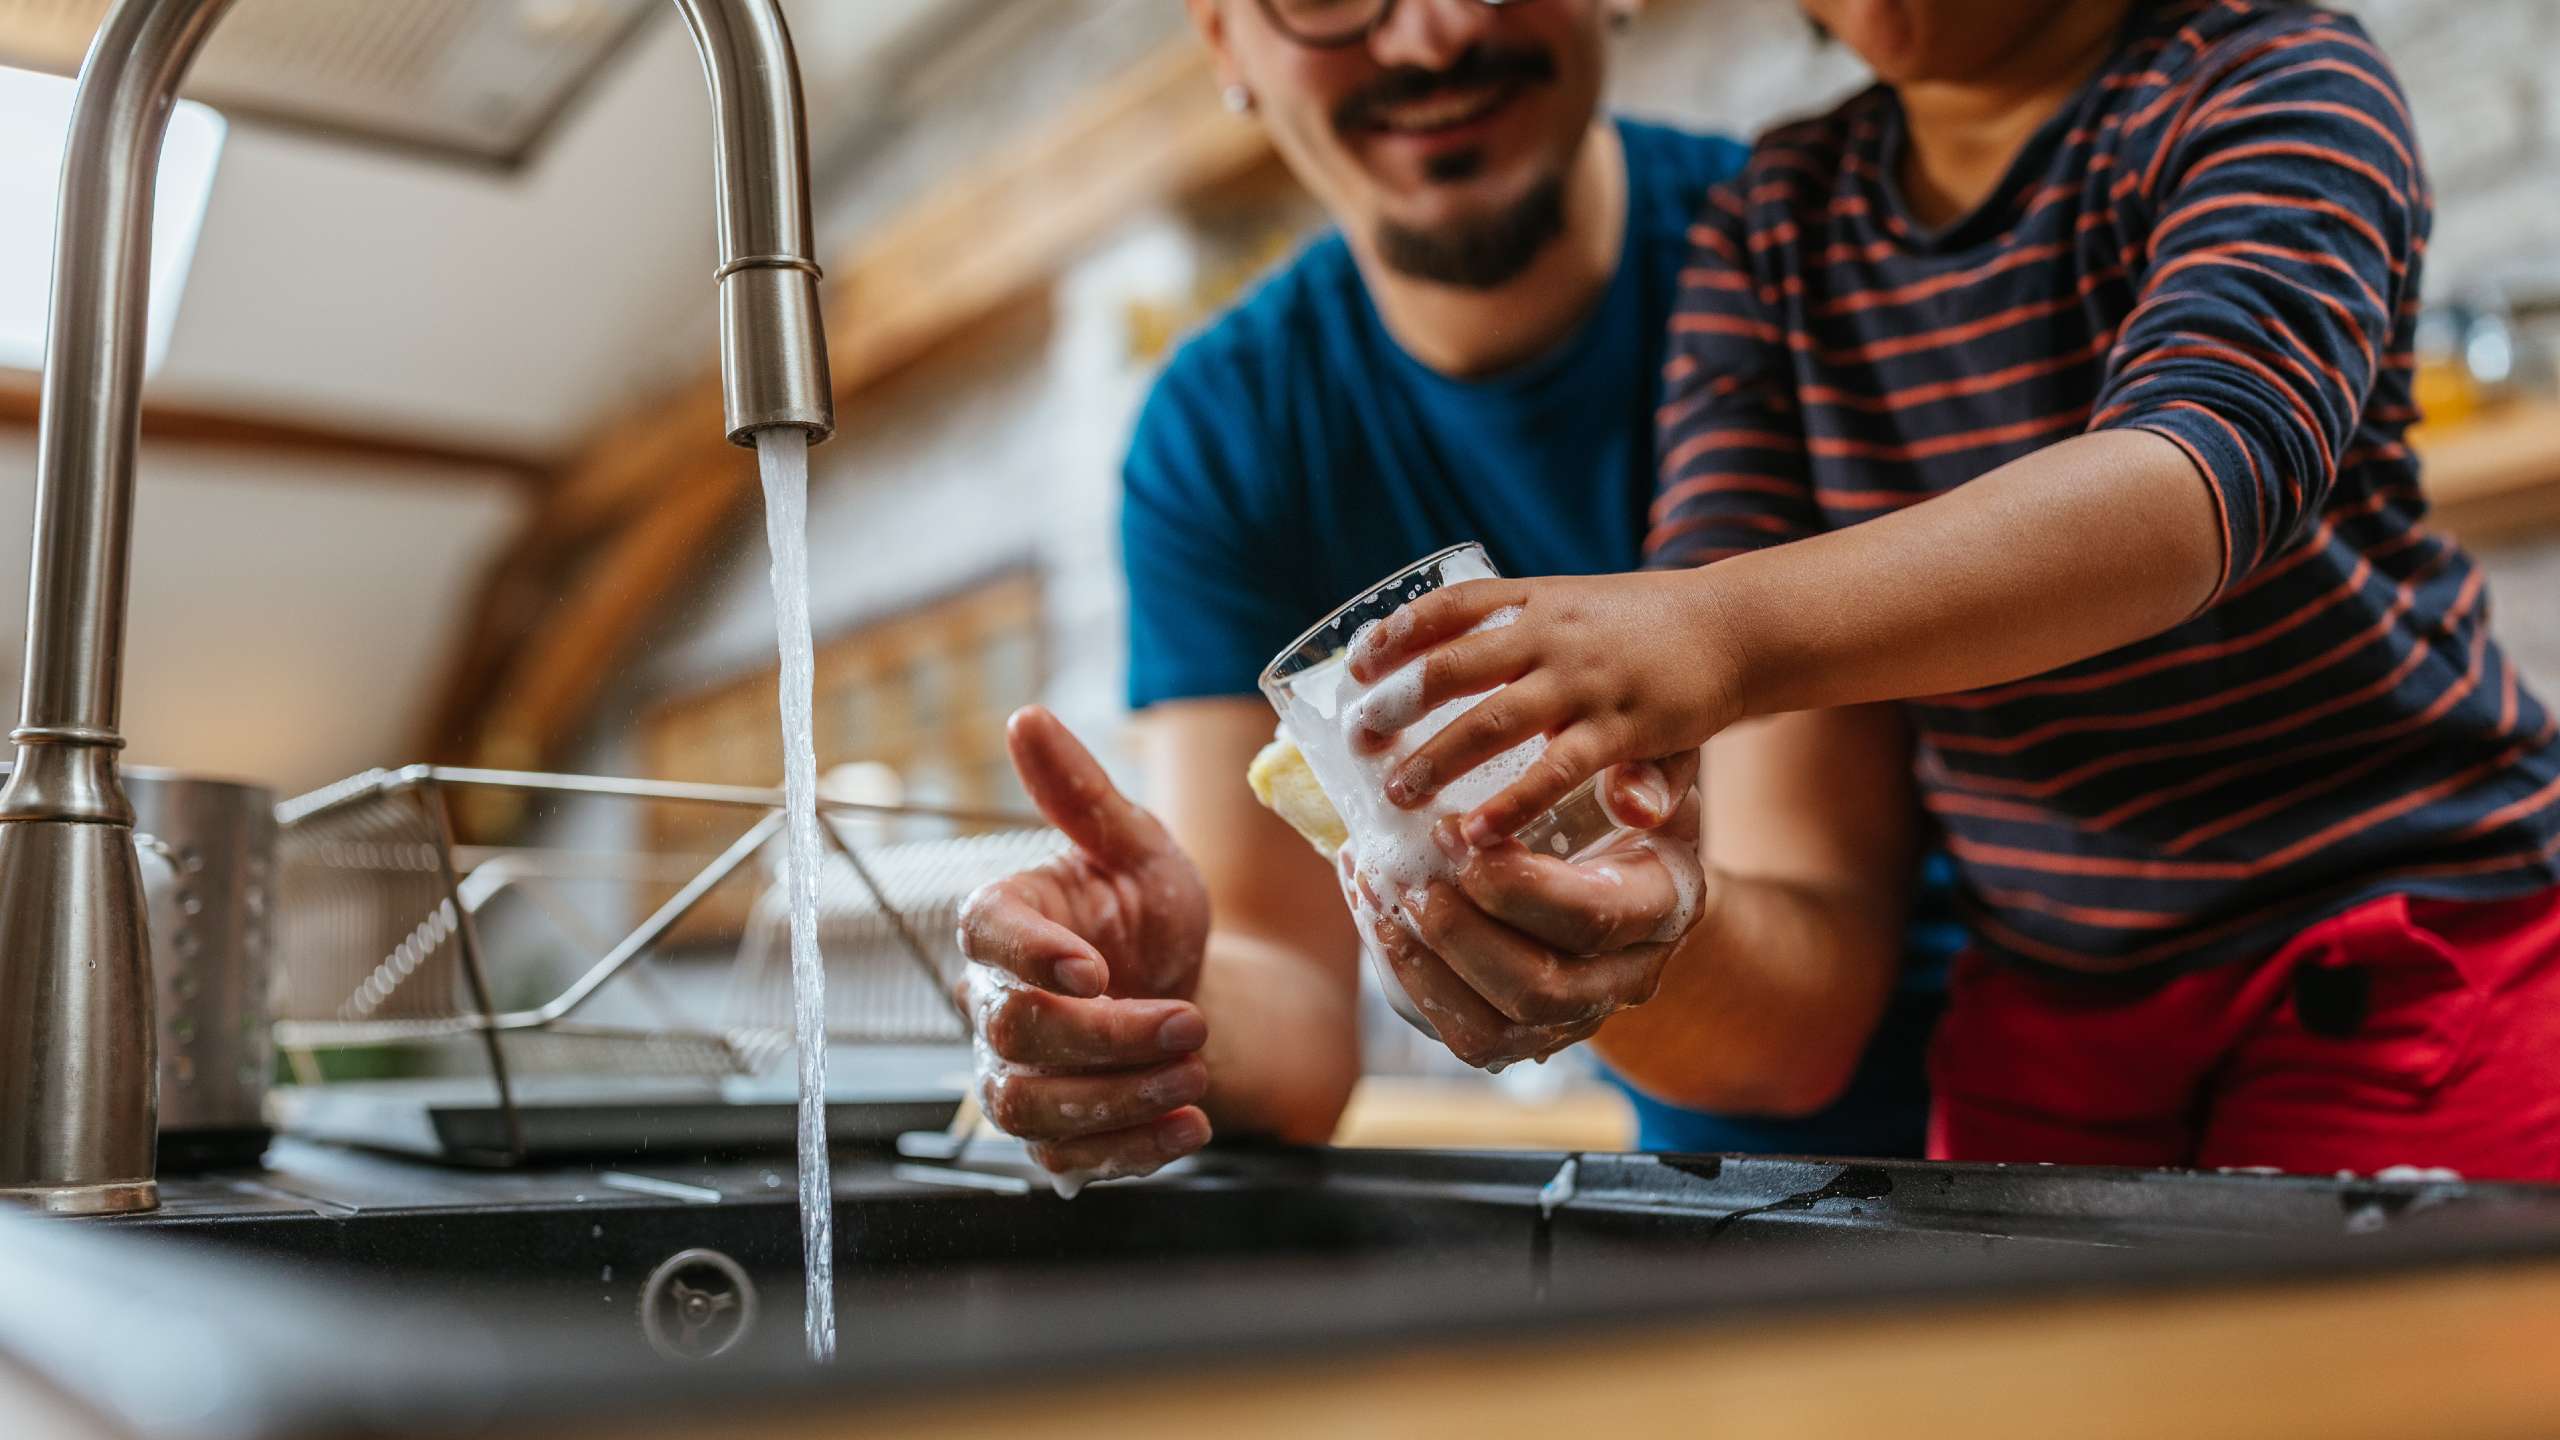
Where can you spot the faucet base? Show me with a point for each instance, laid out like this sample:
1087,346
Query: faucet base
78,1085
125,1198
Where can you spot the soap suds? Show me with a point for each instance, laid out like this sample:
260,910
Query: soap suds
1370,924
1393,845
1688,884
2416,1173
1559,1191
1071,1182
1391,704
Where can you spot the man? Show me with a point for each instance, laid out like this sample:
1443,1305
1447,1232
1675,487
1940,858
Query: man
1475,355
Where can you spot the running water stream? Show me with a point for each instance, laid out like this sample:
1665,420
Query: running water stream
782,453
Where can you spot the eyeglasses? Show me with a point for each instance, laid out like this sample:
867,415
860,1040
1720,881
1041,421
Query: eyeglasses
1328,24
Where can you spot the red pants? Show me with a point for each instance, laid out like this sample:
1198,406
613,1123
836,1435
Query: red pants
2403,1032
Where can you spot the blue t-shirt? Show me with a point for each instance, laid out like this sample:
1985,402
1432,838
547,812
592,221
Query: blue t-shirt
1293,453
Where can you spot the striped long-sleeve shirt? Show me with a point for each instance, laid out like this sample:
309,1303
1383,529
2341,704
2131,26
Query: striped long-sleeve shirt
2218,241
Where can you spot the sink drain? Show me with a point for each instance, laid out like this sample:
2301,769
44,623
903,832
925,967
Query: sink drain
697,1304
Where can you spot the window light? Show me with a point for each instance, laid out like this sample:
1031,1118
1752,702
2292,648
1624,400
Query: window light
35,120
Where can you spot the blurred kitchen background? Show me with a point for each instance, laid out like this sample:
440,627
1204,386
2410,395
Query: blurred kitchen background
431,467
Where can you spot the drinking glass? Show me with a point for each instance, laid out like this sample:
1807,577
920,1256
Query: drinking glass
1309,686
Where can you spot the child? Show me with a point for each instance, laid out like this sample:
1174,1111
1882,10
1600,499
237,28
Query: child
2057,386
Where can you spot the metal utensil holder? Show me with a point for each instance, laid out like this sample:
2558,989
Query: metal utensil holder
384,940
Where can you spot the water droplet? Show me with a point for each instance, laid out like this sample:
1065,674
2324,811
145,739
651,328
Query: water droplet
596,1232
579,1198
608,1274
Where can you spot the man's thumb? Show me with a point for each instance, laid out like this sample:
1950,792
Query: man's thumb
1073,791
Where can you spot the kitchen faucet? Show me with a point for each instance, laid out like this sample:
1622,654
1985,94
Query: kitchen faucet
77,1084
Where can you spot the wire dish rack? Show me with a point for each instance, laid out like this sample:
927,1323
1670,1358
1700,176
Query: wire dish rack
596,961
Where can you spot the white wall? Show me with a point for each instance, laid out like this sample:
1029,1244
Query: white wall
522,309
406,293
289,618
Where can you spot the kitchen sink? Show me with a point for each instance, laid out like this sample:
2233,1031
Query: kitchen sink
334,1279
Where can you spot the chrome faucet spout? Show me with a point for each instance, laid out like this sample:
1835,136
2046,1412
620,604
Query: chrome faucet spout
77,1108
773,349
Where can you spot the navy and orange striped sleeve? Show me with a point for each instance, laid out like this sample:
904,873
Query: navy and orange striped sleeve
1729,437
2288,216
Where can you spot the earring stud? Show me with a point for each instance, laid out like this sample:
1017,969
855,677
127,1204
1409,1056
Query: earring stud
1239,100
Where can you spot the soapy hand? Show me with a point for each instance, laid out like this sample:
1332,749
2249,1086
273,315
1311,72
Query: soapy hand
1081,975
1521,955
1610,668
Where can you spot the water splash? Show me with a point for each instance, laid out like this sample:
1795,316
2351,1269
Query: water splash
782,454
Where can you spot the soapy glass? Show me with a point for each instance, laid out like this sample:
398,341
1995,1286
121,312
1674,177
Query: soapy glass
1309,685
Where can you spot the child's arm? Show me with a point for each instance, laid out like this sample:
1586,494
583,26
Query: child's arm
2070,552
2285,214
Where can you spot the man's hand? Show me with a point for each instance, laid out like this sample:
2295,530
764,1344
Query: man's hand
1611,669
1523,954
1082,974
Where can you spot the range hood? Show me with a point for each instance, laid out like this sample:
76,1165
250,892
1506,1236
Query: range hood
482,80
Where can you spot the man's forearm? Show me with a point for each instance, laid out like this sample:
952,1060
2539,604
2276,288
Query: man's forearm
1284,1040
1768,1003
2075,550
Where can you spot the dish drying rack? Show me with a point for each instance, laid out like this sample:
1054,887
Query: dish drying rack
392,935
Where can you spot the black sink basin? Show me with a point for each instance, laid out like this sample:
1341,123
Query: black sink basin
572,1289
605,1259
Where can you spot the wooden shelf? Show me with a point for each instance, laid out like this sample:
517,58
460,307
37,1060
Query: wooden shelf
2498,475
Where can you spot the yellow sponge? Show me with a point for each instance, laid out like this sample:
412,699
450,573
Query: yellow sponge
1281,780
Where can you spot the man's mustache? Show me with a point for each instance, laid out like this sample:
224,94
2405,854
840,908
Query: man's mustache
1479,67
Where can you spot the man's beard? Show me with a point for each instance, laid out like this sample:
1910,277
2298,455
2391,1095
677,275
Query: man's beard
1475,254
1483,252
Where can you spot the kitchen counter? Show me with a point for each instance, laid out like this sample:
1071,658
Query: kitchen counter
2497,476
1299,1292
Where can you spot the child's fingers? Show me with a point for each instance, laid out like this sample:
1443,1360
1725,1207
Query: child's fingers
1580,752
1469,665
1423,623
1521,711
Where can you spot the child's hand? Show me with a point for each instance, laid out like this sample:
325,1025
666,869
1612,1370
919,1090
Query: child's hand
1612,668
